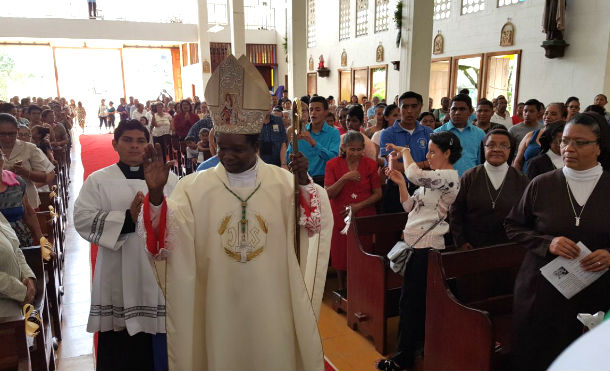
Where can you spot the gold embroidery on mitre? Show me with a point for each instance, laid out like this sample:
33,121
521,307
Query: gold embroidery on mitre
238,97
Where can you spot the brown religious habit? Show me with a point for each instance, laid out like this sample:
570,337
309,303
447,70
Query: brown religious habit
477,215
544,321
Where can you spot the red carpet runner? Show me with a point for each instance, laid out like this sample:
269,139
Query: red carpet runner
97,153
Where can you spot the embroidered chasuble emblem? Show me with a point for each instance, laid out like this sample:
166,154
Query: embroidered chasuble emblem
243,239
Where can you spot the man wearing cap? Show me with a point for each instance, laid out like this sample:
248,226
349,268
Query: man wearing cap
237,296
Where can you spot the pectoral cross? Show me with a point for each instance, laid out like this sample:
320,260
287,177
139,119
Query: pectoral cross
243,249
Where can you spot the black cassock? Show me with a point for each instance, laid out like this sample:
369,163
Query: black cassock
544,321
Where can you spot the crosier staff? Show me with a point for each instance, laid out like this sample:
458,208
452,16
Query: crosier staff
297,115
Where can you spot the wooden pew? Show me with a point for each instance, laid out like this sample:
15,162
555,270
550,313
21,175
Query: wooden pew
373,288
53,273
14,352
42,353
468,316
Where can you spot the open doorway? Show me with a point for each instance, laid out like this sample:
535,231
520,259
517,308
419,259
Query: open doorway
90,75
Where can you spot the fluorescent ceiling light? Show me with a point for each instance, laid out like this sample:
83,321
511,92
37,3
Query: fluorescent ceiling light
216,28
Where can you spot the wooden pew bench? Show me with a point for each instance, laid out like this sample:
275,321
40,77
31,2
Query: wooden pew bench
42,353
54,272
373,288
468,307
14,352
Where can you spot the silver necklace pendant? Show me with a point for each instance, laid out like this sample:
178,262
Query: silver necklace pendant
577,221
493,205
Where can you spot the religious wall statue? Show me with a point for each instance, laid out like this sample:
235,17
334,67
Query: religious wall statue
310,63
439,44
344,59
321,62
507,35
553,25
379,53
553,19
206,67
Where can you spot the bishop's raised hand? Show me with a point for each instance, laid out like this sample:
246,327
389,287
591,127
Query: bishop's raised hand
156,171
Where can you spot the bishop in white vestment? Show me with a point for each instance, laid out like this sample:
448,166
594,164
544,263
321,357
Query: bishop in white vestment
237,297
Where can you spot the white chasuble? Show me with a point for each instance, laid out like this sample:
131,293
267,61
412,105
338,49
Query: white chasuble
237,299
124,293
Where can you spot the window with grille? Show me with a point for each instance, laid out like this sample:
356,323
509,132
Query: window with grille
442,9
509,2
344,19
472,6
381,15
362,15
311,23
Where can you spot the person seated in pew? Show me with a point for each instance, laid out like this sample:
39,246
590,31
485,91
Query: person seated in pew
549,158
16,209
39,138
424,231
24,159
557,210
17,281
487,193
127,305
351,180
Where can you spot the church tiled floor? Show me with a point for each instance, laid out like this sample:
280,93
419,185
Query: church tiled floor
343,347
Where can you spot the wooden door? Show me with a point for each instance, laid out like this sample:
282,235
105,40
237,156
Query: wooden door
312,83
345,85
361,83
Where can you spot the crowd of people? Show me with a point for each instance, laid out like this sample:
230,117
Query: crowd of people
468,175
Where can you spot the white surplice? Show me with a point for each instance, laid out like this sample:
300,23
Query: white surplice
125,293
223,314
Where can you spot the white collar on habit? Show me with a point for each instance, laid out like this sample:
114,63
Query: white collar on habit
496,174
245,179
582,182
556,159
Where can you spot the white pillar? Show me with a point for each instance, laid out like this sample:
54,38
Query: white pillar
297,47
238,27
204,43
416,47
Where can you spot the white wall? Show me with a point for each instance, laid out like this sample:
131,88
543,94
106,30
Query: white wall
360,50
582,72
85,29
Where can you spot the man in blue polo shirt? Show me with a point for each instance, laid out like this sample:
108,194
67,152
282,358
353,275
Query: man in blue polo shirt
405,132
470,135
319,142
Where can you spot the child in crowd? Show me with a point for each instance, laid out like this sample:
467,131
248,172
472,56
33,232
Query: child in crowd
204,145
192,154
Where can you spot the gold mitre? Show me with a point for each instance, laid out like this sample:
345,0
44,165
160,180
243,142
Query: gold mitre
238,97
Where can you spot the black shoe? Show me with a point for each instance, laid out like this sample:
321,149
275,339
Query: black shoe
387,365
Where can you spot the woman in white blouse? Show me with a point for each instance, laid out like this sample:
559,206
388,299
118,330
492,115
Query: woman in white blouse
427,210
160,124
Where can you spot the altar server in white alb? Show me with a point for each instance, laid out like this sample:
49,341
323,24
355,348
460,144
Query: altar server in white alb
127,306
237,297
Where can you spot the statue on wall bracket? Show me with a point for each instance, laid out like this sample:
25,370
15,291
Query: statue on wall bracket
553,25
310,63
439,44
379,53
206,67
344,59
507,35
